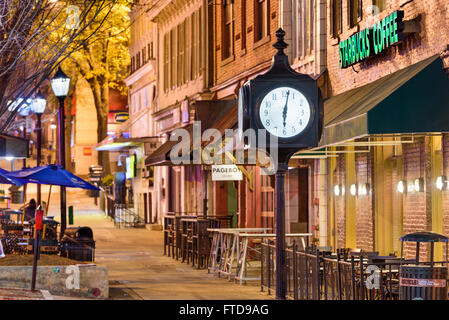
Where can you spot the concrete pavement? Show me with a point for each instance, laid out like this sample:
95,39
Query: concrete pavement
137,267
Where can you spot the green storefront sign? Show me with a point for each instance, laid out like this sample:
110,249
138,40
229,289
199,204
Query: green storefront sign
372,41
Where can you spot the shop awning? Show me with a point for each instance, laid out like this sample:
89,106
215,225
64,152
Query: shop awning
120,143
218,114
411,100
161,156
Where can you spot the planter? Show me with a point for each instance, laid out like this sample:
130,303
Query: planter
81,280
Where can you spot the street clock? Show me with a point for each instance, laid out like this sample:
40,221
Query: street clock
285,103
288,106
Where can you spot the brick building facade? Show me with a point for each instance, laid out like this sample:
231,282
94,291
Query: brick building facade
374,221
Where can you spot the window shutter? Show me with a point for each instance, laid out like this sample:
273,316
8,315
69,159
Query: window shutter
331,18
360,10
188,42
200,40
194,47
184,62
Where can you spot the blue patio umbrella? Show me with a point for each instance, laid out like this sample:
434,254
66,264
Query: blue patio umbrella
53,175
5,179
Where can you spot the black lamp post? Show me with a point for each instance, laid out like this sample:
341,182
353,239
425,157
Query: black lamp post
38,107
60,85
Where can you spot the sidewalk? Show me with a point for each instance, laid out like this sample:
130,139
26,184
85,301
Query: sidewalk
138,268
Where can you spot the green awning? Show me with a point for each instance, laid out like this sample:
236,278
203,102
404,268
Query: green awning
411,100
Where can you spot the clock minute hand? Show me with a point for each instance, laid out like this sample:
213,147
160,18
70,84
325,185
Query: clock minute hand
284,113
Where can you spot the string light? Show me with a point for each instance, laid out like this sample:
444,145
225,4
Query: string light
441,183
353,189
401,186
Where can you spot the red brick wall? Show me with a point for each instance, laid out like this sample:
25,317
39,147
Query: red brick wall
340,213
364,214
432,39
445,196
253,56
414,218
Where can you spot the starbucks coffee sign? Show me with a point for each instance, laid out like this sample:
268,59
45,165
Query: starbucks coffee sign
372,41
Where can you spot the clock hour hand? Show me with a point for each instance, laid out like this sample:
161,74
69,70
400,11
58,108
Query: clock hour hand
284,113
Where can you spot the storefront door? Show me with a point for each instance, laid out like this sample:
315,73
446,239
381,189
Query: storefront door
297,200
232,202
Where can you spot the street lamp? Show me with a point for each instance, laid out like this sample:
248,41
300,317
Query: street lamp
38,107
60,85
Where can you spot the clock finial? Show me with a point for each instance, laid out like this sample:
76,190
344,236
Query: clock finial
280,44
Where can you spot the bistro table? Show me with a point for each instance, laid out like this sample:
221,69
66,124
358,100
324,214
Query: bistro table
241,270
225,246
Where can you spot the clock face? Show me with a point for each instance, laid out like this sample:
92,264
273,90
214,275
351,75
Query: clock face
285,112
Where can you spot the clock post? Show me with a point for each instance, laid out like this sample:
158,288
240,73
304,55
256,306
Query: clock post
281,270
287,105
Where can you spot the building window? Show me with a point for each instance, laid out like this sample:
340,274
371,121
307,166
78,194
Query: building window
305,27
188,51
166,62
380,4
196,62
144,56
173,58
138,60
336,17
228,29
133,64
200,40
180,64
185,61
145,98
261,21
308,19
150,51
355,12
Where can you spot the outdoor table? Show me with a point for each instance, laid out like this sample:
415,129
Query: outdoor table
225,242
241,270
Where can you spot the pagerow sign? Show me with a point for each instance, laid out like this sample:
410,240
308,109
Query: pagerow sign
226,172
372,41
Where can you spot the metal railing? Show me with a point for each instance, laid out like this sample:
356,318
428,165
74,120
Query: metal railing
303,271
311,275
125,217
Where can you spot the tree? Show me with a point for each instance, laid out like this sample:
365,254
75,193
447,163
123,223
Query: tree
103,61
35,37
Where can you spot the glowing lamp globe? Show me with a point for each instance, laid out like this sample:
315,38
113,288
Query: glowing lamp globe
60,84
38,104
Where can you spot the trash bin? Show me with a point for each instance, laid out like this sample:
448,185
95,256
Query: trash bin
423,283
78,244
423,280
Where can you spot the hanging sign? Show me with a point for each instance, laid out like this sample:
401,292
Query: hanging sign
372,41
121,117
87,151
226,172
